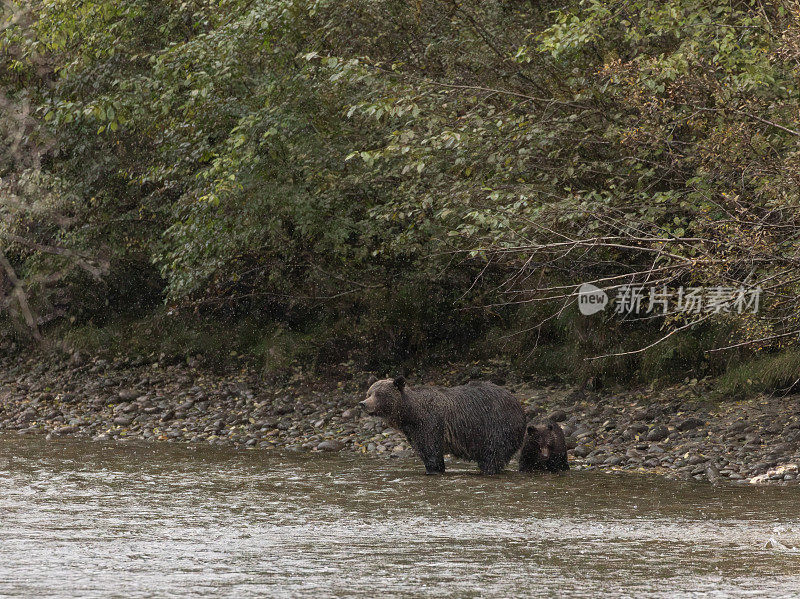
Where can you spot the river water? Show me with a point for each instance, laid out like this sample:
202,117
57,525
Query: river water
89,519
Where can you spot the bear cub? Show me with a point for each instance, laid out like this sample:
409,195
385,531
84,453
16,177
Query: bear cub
544,448
480,421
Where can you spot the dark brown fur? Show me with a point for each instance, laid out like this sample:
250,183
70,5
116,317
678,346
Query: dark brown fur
544,448
480,421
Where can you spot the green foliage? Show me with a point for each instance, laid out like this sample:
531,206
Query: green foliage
166,336
776,372
332,166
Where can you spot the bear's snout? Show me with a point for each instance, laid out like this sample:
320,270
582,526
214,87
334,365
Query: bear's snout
368,405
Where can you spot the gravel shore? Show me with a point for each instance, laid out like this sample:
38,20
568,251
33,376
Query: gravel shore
677,432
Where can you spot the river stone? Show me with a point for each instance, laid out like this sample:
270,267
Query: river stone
658,433
763,466
712,473
28,415
581,451
531,412
349,414
558,416
689,424
653,411
737,426
330,446
127,395
283,409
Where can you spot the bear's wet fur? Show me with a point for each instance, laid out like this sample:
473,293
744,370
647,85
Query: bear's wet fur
479,421
544,448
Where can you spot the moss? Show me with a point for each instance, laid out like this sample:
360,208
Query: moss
770,373
402,334
160,334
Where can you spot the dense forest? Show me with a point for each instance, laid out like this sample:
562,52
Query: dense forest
379,183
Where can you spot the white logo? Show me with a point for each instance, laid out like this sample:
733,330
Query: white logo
591,299
631,299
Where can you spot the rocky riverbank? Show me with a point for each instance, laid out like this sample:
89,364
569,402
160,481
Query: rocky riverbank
676,432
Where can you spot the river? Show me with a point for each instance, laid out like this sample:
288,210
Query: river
89,519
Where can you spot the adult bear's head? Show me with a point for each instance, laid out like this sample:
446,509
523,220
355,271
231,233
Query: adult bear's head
384,397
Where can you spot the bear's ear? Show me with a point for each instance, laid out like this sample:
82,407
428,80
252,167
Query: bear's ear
400,383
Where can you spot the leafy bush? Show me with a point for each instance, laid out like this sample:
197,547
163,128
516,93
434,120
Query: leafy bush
397,173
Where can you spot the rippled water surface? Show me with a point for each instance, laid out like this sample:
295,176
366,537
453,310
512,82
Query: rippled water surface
91,519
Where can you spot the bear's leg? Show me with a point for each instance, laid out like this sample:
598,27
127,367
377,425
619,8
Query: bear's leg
427,440
528,463
434,464
431,450
525,462
529,458
491,463
558,463
490,467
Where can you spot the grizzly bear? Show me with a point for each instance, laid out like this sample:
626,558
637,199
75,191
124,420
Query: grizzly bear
544,448
480,422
